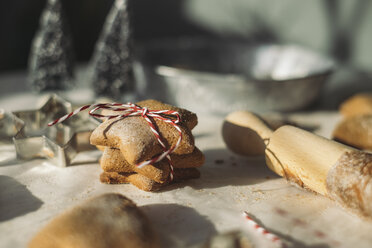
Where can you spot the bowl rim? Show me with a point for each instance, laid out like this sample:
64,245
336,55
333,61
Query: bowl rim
167,70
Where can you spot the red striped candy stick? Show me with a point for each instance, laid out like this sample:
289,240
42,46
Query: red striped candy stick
259,229
130,109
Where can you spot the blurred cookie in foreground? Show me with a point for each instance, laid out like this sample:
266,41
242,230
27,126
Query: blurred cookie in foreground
109,220
355,131
359,104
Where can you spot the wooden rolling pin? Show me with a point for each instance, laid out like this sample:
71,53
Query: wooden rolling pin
314,162
245,133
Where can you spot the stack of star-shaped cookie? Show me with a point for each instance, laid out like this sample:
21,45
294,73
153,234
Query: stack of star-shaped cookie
129,141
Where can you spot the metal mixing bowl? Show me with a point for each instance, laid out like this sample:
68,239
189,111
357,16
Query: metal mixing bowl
220,77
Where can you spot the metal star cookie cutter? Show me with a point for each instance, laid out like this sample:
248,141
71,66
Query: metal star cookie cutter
60,143
10,125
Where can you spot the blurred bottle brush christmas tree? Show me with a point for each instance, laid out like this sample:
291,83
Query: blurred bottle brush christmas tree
111,67
51,57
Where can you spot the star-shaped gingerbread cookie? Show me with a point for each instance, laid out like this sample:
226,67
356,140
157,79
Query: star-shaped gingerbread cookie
145,183
113,161
133,136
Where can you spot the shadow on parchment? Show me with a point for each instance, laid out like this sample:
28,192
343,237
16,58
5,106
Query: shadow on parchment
15,199
223,168
177,225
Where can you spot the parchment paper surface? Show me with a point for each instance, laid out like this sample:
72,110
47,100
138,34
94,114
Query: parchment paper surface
33,192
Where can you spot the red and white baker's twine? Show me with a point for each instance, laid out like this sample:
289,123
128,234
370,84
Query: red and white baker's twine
130,109
270,236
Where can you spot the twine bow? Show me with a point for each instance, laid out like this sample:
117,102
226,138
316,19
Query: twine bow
130,109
